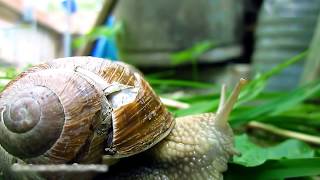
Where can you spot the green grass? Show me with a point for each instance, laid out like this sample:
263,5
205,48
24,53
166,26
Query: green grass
288,110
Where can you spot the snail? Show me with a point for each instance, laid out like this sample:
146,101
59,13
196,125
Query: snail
84,107
81,109
198,147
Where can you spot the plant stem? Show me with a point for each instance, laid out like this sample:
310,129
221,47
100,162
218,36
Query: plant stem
174,103
286,133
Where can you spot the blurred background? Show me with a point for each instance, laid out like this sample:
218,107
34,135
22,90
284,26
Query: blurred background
187,49
207,40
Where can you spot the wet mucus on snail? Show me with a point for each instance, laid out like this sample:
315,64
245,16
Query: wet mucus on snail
82,108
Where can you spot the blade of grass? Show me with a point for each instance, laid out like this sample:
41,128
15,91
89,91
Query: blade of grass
198,107
256,86
276,105
191,54
294,120
162,74
181,83
199,97
97,32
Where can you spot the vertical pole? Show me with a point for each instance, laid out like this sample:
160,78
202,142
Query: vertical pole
67,33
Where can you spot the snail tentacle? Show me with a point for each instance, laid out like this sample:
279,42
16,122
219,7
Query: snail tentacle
222,97
224,111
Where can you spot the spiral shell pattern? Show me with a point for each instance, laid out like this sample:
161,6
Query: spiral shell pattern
50,113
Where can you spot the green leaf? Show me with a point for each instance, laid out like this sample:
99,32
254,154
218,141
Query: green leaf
275,169
102,31
253,155
7,74
192,53
80,41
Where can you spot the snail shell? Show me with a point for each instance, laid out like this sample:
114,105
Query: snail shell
73,109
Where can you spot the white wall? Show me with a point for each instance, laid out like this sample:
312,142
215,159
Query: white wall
24,44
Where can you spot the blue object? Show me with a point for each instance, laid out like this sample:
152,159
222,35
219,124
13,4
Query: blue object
70,6
28,15
106,47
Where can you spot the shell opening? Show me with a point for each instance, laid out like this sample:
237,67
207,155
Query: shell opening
116,100
117,94
123,97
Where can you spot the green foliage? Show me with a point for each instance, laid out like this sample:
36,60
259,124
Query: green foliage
256,86
6,74
192,53
275,105
276,169
179,83
102,31
253,155
198,107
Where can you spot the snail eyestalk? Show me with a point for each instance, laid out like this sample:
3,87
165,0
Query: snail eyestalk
226,107
222,98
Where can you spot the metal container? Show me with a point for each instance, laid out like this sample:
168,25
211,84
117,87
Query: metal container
153,30
285,28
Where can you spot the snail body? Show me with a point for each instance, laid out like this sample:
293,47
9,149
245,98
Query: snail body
80,109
